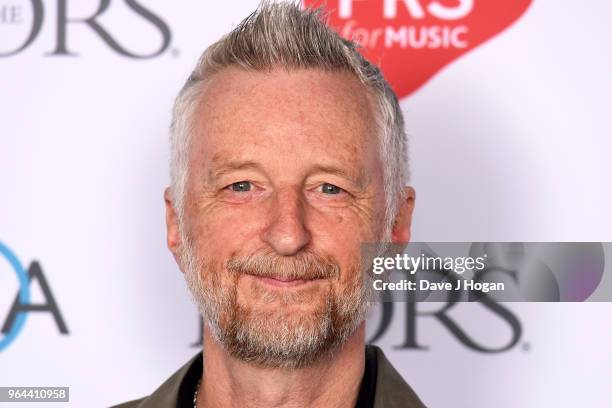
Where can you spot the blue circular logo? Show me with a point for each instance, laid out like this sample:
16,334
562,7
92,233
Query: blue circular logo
24,295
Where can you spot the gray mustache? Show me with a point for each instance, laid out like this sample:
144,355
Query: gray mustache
304,265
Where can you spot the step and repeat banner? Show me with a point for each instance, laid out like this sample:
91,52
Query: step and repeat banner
507,107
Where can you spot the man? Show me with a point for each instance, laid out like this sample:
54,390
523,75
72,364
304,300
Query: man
288,153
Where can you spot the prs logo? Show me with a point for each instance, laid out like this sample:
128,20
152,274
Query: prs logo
14,16
411,40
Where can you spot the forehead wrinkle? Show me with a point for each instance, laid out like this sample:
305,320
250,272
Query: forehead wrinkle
216,121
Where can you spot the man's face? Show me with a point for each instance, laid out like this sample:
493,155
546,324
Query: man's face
285,183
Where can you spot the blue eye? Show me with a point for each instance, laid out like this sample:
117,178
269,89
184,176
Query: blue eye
241,186
330,189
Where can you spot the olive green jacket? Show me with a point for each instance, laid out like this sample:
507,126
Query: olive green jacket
391,389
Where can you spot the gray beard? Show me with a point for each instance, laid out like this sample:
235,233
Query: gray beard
277,338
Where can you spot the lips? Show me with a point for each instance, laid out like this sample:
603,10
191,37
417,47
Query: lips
283,282
273,270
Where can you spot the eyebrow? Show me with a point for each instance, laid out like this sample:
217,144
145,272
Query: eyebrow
231,166
360,177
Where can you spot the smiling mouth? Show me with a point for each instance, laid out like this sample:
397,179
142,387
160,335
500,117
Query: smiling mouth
284,282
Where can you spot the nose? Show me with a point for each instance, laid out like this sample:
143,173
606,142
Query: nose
287,233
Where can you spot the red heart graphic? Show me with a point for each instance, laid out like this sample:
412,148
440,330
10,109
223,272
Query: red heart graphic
411,40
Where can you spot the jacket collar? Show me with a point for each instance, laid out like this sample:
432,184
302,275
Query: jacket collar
391,389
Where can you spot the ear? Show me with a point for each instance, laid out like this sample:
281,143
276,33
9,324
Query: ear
403,219
173,237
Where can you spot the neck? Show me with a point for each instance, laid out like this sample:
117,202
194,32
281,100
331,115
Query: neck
329,382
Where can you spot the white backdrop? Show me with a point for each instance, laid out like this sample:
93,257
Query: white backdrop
511,142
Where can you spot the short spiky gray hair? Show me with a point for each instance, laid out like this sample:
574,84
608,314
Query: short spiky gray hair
283,34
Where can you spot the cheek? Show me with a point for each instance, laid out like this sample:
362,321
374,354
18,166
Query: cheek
223,230
343,230
341,238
